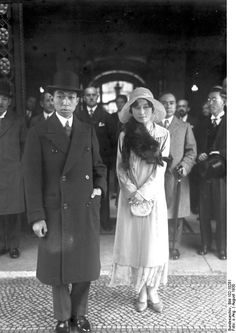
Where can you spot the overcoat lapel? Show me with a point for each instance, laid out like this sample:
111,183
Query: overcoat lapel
77,144
6,123
173,125
56,134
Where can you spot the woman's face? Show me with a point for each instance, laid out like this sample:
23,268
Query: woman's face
142,111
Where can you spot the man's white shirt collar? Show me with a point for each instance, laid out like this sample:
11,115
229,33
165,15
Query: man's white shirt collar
184,118
63,120
218,116
3,115
93,108
46,115
169,120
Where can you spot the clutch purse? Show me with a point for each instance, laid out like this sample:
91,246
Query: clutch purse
142,209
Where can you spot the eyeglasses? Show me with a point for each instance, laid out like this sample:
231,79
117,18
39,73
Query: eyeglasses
213,100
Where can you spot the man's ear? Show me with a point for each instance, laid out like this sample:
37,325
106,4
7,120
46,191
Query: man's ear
9,101
41,104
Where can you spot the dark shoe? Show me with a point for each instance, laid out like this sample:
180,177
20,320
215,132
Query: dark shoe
14,253
174,254
202,251
222,255
62,327
3,251
81,323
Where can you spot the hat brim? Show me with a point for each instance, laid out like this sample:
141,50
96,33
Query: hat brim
159,110
66,88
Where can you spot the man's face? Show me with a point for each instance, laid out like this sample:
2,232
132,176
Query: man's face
4,103
120,103
65,102
31,103
47,103
182,107
90,97
215,103
169,102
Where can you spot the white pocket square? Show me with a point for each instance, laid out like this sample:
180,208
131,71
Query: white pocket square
101,124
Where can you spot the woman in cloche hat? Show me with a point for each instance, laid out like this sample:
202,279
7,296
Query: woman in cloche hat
140,255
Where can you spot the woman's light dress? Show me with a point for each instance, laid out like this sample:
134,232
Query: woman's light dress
141,249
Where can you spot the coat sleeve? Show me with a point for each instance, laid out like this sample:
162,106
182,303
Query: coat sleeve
149,189
99,169
126,185
32,166
190,149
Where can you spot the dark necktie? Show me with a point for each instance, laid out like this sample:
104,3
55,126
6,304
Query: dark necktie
214,122
0,122
166,123
67,129
91,112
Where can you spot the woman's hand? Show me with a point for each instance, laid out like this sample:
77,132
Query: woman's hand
136,199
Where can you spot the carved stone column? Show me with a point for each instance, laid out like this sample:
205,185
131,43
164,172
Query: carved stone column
12,52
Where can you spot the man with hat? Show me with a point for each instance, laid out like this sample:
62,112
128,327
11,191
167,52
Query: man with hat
64,180
212,143
12,138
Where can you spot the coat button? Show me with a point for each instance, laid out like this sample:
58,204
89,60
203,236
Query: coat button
88,204
87,177
63,178
65,206
87,148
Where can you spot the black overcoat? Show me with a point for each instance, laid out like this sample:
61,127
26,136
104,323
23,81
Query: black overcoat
60,174
12,138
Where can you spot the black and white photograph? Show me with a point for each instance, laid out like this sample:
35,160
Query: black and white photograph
115,210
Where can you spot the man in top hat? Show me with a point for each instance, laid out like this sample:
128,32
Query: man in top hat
183,152
212,142
96,115
46,103
64,180
12,138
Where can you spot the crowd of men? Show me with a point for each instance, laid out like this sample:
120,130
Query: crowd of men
195,141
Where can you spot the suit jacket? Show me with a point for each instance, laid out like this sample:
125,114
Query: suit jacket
12,138
60,174
105,130
183,150
36,119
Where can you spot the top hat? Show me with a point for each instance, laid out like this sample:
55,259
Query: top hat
5,88
65,80
159,110
213,167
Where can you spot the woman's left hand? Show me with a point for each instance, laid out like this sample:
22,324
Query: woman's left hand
136,199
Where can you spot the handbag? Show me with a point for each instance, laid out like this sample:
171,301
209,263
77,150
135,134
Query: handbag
213,167
144,208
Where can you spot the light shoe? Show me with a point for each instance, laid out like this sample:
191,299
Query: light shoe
157,307
141,306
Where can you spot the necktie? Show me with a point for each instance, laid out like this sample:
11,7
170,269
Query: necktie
166,123
91,112
214,122
67,129
0,122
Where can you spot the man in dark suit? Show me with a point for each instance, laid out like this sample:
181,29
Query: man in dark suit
96,115
46,103
213,190
12,138
64,180
30,109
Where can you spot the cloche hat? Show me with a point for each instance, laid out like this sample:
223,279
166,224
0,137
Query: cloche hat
65,80
140,92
